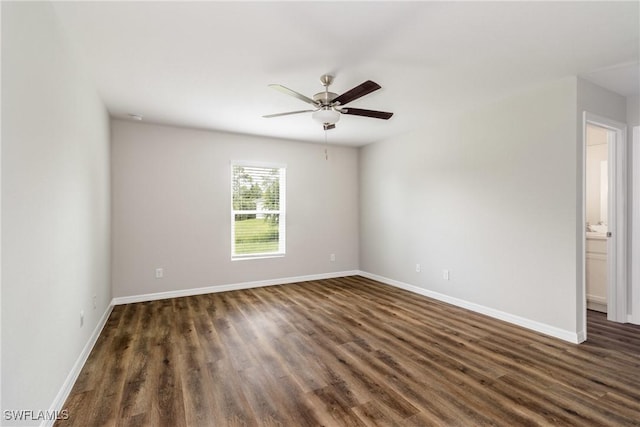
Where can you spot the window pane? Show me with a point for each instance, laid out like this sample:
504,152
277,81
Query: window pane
256,233
271,190
258,210
256,188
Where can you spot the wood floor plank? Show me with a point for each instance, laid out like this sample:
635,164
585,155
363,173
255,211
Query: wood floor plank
191,362
347,352
114,369
339,407
166,392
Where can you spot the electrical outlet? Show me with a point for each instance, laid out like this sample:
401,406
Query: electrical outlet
445,274
159,273
81,318
332,257
417,268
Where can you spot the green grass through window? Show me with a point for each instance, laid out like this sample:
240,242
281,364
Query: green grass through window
255,236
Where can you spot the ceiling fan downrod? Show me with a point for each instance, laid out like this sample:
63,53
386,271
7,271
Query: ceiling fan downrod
324,98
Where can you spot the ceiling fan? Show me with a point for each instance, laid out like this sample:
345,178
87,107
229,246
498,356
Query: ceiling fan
328,106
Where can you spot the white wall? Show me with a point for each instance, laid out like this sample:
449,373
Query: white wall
633,110
171,208
598,100
489,195
55,207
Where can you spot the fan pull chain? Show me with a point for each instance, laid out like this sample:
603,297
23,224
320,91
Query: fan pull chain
326,151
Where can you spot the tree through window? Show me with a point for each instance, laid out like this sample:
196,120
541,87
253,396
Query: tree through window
258,214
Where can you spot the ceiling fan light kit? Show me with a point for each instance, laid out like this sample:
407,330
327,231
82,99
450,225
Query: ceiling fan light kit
329,105
326,115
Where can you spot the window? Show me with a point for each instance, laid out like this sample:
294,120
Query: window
257,211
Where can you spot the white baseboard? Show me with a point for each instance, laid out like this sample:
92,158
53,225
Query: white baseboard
596,303
65,390
562,334
597,299
229,287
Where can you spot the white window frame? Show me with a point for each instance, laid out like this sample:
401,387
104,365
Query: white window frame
282,238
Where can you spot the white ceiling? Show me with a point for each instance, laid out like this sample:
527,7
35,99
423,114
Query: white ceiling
207,64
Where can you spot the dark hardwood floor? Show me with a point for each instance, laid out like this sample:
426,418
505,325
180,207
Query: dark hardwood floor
347,352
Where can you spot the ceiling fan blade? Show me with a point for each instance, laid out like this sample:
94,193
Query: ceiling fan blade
268,116
357,92
367,113
294,94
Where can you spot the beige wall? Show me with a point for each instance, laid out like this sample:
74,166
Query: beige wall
171,208
55,208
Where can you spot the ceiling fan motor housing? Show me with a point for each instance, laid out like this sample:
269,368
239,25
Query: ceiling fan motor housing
325,98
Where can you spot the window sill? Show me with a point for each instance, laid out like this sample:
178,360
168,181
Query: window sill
262,256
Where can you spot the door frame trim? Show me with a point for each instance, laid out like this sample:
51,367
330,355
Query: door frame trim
635,244
617,244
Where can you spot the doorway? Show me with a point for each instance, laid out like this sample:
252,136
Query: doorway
604,217
596,211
